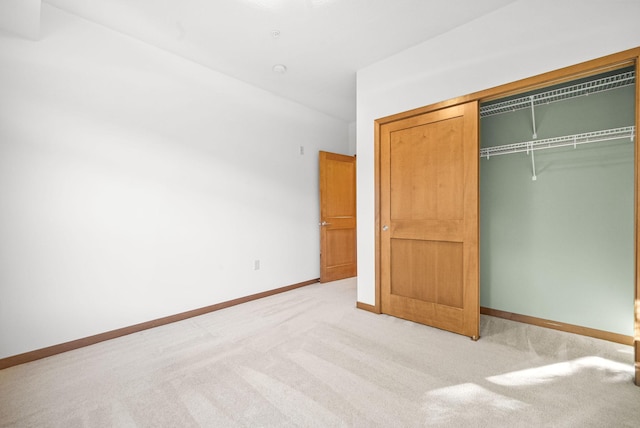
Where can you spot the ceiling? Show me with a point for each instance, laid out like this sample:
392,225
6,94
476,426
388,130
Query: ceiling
322,43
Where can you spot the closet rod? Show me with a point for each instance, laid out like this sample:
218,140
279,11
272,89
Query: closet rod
585,88
567,140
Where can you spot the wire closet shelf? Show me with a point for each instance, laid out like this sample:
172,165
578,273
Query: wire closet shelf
585,88
564,141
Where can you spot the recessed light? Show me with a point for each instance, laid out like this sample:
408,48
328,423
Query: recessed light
279,68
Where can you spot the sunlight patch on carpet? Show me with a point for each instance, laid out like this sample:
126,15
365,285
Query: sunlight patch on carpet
610,371
454,402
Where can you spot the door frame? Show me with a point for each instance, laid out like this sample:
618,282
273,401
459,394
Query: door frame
622,59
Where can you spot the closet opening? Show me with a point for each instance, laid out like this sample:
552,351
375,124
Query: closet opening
557,204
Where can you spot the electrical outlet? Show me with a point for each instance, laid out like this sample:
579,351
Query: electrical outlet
256,265
302,150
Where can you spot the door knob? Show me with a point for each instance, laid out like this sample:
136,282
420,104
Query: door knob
385,227
324,223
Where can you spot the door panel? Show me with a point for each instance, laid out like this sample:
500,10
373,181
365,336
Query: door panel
427,270
337,216
429,218
426,177
337,252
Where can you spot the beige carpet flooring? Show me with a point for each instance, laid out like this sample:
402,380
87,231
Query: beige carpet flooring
309,358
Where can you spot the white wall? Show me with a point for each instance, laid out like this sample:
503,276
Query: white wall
523,39
352,138
136,185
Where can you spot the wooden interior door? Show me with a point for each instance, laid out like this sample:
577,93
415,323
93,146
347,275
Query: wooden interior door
429,219
337,216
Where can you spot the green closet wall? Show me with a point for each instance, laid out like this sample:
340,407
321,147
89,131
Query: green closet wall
561,247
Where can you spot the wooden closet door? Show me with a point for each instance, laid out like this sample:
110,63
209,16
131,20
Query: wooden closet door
429,219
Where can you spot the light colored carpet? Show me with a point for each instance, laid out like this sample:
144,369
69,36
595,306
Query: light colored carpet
309,358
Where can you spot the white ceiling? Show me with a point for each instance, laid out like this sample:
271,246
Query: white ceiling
21,17
322,42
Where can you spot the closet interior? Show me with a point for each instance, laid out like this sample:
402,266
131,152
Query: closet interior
557,202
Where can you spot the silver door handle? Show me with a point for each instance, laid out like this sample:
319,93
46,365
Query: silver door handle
385,228
324,223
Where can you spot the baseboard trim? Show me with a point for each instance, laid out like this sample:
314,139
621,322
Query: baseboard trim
91,340
556,325
366,307
637,364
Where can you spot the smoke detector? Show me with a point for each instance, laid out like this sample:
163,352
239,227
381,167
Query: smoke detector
279,68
